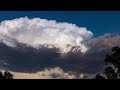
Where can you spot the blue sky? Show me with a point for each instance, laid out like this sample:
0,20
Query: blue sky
99,22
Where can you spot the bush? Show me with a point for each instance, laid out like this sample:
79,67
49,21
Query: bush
6,75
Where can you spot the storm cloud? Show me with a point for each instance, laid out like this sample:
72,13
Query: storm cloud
32,46
38,31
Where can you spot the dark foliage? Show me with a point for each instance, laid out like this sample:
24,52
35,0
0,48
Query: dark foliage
98,76
110,73
113,59
6,75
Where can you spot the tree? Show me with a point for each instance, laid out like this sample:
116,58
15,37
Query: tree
98,76
1,75
113,59
110,73
6,75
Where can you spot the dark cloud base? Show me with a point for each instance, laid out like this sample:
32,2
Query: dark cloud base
23,58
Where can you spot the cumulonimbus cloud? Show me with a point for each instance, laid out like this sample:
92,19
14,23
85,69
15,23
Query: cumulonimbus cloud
45,32
30,45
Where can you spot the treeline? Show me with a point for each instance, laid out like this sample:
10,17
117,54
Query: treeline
112,70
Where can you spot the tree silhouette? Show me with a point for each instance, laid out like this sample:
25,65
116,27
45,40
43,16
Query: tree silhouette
1,75
98,76
113,59
110,73
6,75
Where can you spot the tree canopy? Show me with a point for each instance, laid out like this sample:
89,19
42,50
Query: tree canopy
6,75
112,71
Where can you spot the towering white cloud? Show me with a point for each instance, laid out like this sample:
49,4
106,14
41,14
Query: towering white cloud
38,31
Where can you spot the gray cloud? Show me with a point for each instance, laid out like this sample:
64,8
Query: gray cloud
103,44
25,58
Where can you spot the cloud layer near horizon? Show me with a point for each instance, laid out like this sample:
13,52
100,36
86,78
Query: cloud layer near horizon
51,73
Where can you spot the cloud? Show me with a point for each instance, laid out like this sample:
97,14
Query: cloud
51,73
38,31
103,44
23,58
27,46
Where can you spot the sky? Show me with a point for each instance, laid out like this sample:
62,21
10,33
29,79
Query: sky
38,44
99,22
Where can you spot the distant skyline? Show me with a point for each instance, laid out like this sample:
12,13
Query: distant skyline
99,22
